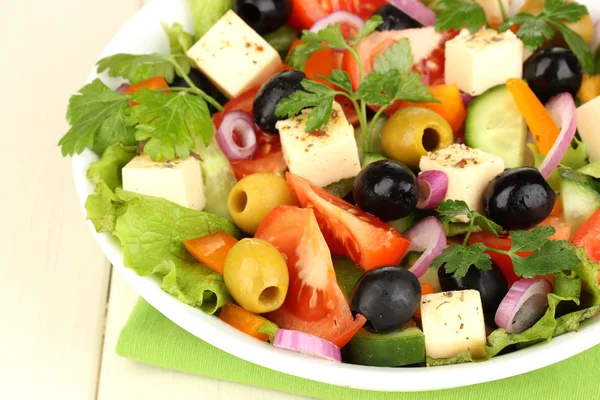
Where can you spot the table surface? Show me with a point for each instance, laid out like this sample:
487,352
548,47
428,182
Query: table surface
62,308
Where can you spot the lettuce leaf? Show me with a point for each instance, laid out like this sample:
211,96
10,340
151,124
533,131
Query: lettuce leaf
206,13
580,287
108,168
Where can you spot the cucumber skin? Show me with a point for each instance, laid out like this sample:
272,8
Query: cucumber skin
581,196
396,349
472,136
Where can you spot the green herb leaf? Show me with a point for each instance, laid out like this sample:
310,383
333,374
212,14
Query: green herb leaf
371,90
398,57
171,121
370,26
458,14
108,168
409,88
97,118
332,35
458,259
559,9
530,241
450,210
179,40
140,67
300,55
533,31
339,78
577,46
553,256
316,95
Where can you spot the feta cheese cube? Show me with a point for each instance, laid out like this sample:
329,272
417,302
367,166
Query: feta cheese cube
324,156
453,323
588,126
477,62
234,57
469,172
177,181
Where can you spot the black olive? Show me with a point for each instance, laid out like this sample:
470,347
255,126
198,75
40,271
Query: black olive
264,16
395,19
201,82
553,71
386,189
278,87
518,198
491,285
388,297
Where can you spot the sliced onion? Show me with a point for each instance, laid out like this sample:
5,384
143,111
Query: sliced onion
426,236
466,98
563,111
338,17
524,305
123,88
307,344
416,10
433,186
242,123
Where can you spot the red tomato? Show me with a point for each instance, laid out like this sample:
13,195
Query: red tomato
563,232
430,55
314,303
306,12
349,231
588,236
268,157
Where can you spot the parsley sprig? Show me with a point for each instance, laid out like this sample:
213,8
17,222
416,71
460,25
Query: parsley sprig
169,119
532,252
534,30
392,80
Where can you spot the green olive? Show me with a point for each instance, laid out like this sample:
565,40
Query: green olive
413,131
256,275
252,198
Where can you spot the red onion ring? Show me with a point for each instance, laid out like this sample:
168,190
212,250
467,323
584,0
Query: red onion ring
307,344
563,111
241,122
123,88
416,10
433,186
524,304
426,236
341,17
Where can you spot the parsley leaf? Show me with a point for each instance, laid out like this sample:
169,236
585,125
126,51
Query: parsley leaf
559,9
370,26
458,259
457,14
577,45
171,121
299,57
534,32
450,210
553,256
315,95
530,241
398,57
140,67
339,78
97,118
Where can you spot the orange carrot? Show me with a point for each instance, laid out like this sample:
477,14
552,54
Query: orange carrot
544,129
211,249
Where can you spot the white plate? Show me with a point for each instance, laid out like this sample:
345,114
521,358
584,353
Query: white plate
143,34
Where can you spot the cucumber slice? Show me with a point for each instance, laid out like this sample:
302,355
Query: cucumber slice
580,196
495,125
347,274
404,347
403,224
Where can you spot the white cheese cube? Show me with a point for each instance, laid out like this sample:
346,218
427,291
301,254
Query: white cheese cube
453,323
324,156
469,171
588,126
234,57
177,181
483,60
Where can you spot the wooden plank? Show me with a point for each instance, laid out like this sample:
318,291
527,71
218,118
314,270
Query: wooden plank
54,277
122,379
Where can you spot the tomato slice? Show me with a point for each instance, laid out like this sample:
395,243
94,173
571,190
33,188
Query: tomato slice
306,12
563,232
314,303
349,231
588,236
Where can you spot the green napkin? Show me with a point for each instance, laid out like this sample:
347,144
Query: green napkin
151,338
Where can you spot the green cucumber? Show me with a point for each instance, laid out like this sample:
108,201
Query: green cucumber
341,188
495,125
282,39
580,196
404,347
403,224
347,274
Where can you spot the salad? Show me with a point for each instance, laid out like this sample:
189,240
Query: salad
386,183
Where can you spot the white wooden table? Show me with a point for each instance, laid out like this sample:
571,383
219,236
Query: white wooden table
56,338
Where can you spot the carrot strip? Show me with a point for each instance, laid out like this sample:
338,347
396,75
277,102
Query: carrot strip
243,320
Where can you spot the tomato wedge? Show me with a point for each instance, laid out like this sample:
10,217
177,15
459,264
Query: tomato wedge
314,303
349,231
588,236
563,232
306,12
